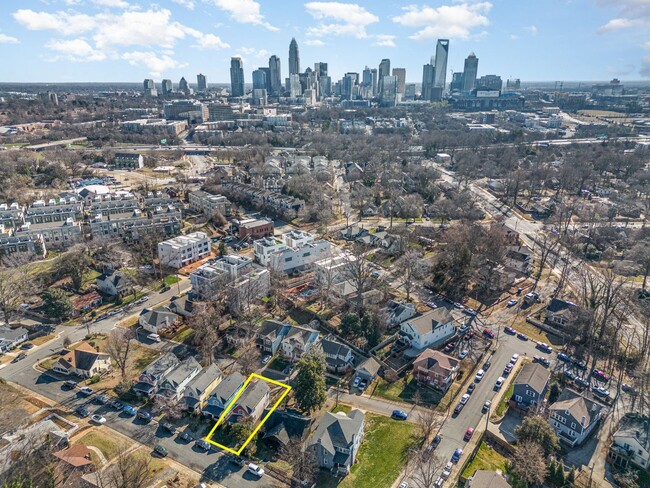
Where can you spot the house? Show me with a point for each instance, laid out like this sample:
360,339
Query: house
337,439
368,369
291,341
157,319
83,361
128,161
10,338
83,303
631,443
530,385
436,369
222,395
112,283
183,306
252,402
399,312
574,417
430,328
561,313
155,373
173,385
284,425
487,479
76,456
338,357
201,387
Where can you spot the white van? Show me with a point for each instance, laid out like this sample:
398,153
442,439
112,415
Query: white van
154,337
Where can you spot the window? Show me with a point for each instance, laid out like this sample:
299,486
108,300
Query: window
573,425
518,398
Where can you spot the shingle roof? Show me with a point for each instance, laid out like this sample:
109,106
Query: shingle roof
82,358
180,373
488,479
334,348
77,455
159,317
370,365
430,320
228,386
431,358
534,375
252,396
337,430
557,305
10,334
201,381
577,405
160,366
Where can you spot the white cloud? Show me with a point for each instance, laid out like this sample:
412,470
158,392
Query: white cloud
210,41
514,37
337,19
75,50
61,22
453,21
5,39
185,3
111,3
385,40
532,29
244,12
314,42
156,65
619,24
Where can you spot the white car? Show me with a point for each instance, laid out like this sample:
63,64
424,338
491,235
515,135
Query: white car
98,419
256,470
403,484
463,354
464,399
357,380
479,375
266,359
447,471
86,390
499,383
514,358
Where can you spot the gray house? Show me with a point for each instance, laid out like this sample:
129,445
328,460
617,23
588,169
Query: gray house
10,338
338,357
368,369
155,373
574,417
157,319
223,394
252,402
175,382
291,341
337,439
530,385
112,283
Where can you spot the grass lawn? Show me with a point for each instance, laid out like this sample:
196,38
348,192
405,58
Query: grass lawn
537,334
486,458
171,280
399,392
184,335
382,454
102,441
503,404
341,408
39,341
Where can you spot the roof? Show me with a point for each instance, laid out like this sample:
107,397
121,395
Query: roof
159,316
577,405
271,329
635,427
534,375
180,373
334,348
370,365
337,430
82,358
10,334
81,301
431,358
556,305
201,381
284,424
429,321
116,278
228,386
161,365
488,479
252,396
76,456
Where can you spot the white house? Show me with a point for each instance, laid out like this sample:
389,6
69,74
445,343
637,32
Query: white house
574,416
183,250
631,444
428,329
157,319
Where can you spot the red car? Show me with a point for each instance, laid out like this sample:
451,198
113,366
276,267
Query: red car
488,333
468,434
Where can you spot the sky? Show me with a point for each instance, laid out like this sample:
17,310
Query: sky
129,40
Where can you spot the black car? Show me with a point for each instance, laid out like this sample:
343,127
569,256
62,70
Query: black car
169,427
102,399
22,355
487,365
27,345
580,364
186,436
146,416
117,405
69,384
582,382
569,375
237,460
458,408
82,412
471,388
160,450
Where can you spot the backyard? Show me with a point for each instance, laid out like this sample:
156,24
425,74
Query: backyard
399,391
486,458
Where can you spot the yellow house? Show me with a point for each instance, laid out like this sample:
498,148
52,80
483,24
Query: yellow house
199,389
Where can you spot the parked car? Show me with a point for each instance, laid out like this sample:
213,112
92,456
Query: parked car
469,335
499,383
144,415
20,357
117,405
479,375
456,455
510,330
488,333
468,434
542,346
160,450
256,470
266,359
522,336
69,384
169,427
356,382
86,390
202,444
628,389
82,412
486,406
165,289
579,380
463,329
514,358
363,385
470,311
464,399
600,391
26,346
458,408
463,354
98,419
512,303
601,375
237,460
154,337
486,366
580,364
459,306
564,357
471,388
508,369
399,415
102,399
434,443
569,375
185,436
129,410
541,360
446,472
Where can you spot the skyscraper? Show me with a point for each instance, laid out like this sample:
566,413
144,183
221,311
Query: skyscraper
149,88
167,87
183,87
259,80
202,82
384,70
294,58
236,77
442,53
295,88
469,72
490,82
456,82
276,75
400,76
321,69
349,81
366,83
428,81
389,90
375,76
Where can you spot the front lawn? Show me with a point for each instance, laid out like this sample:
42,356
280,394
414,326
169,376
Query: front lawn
400,392
382,454
503,404
102,441
486,458
341,408
171,280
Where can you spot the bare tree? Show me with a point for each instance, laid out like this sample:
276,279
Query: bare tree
429,422
74,265
302,460
528,463
423,468
171,408
248,358
130,469
119,348
15,285
546,246
408,267
358,271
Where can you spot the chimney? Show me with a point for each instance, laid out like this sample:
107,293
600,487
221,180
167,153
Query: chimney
582,422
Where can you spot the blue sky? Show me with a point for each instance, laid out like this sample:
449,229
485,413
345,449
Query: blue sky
128,40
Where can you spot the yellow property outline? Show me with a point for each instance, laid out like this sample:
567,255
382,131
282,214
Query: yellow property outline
231,404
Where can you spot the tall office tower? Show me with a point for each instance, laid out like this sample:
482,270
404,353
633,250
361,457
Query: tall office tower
149,88
409,92
276,75
167,87
389,90
374,74
469,72
294,58
183,87
236,77
366,83
259,80
325,84
400,75
202,82
260,96
442,53
267,73
428,81
349,82
295,88
320,69
489,82
456,82
384,70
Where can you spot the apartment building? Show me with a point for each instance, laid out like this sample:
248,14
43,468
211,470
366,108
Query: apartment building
183,250
27,245
12,215
294,250
217,272
207,203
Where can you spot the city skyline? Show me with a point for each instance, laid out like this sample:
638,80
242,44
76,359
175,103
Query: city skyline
129,40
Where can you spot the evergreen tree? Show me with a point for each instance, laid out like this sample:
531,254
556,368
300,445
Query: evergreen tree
310,390
56,304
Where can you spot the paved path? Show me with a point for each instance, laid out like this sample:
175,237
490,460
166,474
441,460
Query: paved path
376,405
